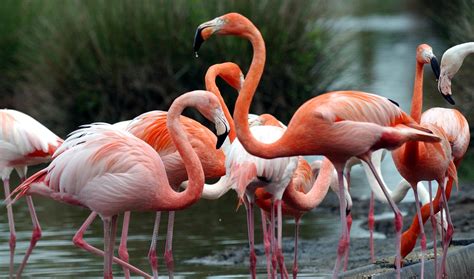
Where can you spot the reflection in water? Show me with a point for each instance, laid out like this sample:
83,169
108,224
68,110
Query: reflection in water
383,55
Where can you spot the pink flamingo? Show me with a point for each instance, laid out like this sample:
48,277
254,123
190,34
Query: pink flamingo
151,128
23,142
456,128
338,125
423,161
111,171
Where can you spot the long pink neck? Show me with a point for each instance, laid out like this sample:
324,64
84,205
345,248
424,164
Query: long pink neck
305,202
190,159
242,106
210,81
417,99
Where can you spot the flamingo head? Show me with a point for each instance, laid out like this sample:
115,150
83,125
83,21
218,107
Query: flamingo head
228,24
424,55
211,109
231,73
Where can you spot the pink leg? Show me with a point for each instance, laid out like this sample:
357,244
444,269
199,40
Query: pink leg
295,260
169,245
123,252
11,224
110,227
272,240
396,211
266,243
371,222
449,232
79,241
346,255
280,258
152,253
433,226
422,230
343,241
250,232
36,235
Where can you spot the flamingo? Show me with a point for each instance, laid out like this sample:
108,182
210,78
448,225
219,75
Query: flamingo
451,62
23,142
311,180
151,127
456,127
338,125
423,161
110,171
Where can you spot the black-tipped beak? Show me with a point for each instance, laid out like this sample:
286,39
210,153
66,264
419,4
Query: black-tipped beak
449,99
435,67
198,39
221,139
348,211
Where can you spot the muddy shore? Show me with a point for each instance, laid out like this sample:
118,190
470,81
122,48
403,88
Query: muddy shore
318,256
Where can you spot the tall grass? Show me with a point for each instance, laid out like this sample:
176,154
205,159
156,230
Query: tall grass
454,20
83,61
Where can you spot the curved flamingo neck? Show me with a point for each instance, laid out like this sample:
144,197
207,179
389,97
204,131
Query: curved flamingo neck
305,202
210,80
190,159
245,97
417,99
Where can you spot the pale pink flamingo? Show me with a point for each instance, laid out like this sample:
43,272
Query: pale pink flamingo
456,127
110,171
338,125
451,62
151,128
23,142
424,161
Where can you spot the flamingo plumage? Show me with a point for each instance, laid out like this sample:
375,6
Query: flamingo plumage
23,142
338,125
110,171
151,128
423,161
456,128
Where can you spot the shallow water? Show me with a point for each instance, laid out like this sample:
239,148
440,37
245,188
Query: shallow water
383,56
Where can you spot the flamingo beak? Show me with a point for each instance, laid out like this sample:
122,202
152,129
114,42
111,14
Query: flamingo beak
435,67
221,139
449,99
198,39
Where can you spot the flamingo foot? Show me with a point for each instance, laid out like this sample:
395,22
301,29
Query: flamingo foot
253,264
398,235
12,252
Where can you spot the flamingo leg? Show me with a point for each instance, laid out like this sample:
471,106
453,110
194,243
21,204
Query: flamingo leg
346,255
169,245
79,241
433,226
110,227
266,243
396,211
422,229
35,236
272,240
295,260
250,231
280,258
123,252
343,241
153,260
371,222
449,233
11,224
